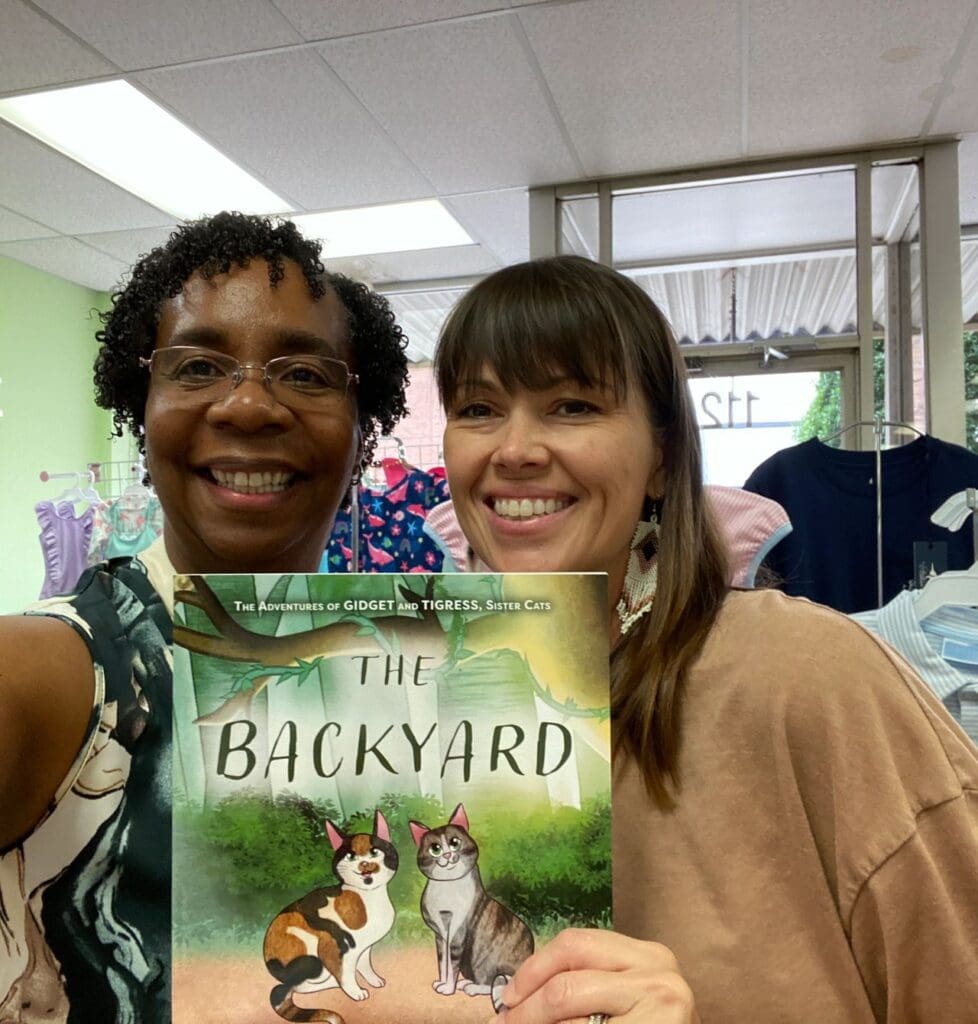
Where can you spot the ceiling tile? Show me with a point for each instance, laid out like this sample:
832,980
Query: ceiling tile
68,258
14,227
34,52
840,74
142,33
642,86
421,265
958,111
316,20
461,100
127,246
500,220
287,118
73,200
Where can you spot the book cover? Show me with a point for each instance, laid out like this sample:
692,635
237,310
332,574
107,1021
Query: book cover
388,790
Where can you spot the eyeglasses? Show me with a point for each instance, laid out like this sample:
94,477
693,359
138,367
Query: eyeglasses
200,376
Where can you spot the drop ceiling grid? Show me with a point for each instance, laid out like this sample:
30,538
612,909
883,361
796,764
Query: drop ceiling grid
819,78
290,120
13,226
461,100
958,112
34,52
133,34
68,258
316,20
127,246
642,85
424,264
498,219
47,187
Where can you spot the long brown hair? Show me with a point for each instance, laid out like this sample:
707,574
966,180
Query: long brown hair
569,317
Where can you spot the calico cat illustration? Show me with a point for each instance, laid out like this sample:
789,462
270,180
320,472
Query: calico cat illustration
324,939
477,939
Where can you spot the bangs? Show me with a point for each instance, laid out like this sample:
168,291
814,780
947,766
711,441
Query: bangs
532,329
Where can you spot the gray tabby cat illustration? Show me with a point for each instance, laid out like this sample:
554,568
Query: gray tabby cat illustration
477,939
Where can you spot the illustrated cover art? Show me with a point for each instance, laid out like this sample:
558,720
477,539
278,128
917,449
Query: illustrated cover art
388,790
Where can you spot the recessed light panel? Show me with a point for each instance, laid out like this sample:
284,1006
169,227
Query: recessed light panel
117,132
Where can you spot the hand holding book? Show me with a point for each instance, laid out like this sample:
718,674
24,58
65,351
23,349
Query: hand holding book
587,973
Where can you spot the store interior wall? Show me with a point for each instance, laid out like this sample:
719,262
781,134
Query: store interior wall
49,422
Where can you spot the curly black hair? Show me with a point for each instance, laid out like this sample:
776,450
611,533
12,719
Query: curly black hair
211,246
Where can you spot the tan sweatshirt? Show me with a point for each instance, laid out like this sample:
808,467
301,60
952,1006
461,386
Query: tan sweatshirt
822,863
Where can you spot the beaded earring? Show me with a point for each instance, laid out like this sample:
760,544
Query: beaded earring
642,572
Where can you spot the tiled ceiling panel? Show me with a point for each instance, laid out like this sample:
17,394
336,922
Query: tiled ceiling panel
834,73
422,265
318,20
146,33
642,85
73,199
127,246
25,35
288,118
461,100
500,220
67,258
14,227
958,107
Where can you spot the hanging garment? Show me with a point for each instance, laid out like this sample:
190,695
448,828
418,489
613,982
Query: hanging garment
64,541
943,649
830,497
122,531
392,537
750,526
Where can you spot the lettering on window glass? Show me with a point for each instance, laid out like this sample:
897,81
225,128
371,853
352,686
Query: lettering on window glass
739,411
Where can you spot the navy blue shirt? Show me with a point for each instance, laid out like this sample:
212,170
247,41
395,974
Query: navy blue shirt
830,497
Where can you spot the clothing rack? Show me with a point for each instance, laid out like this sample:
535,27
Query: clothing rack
110,479
423,454
877,423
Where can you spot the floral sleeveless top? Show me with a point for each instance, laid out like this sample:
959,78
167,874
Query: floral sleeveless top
85,898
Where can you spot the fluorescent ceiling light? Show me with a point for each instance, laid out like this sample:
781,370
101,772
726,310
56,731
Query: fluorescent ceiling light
116,131
396,227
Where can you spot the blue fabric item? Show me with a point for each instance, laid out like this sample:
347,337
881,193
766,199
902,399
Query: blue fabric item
392,536
930,647
830,497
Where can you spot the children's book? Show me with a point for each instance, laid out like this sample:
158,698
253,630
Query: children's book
388,790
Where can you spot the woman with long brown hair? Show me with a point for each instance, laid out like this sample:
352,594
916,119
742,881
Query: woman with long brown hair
795,814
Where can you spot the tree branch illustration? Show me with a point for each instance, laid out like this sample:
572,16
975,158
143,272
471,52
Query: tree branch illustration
236,643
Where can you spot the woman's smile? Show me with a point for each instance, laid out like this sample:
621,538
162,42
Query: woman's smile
246,479
550,480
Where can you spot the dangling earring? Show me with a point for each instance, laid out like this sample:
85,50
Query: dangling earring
642,573
355,523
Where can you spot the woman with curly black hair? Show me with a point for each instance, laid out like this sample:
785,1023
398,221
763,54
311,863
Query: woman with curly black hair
256,383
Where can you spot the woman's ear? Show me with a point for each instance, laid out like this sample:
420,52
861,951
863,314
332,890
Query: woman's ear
655,486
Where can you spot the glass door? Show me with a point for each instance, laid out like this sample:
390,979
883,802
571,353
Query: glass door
747,412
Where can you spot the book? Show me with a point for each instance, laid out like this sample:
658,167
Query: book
387,790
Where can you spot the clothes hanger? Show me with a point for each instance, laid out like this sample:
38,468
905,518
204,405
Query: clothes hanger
77,492
956,587
959,586
137,494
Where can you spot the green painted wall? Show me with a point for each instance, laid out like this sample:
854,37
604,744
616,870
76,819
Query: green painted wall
50,420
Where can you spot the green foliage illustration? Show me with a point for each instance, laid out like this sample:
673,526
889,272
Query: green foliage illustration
240,862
